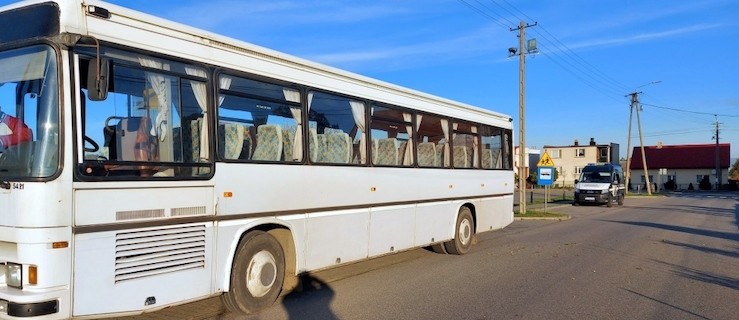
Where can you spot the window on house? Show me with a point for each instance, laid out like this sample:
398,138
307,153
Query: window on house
555,153
579,152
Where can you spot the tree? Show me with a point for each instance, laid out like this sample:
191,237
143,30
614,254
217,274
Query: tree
734,171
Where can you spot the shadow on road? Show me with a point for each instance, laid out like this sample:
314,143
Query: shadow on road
665,303
312,302
727,253
711,211
707,233
699,275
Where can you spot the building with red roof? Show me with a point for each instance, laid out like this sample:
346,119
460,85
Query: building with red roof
684,164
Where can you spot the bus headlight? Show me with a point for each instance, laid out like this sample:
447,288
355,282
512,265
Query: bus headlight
14,275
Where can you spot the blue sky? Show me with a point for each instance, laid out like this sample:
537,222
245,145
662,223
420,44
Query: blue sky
592,54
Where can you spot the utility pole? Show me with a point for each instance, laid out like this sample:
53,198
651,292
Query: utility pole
718,157
635,105
521,113
628,145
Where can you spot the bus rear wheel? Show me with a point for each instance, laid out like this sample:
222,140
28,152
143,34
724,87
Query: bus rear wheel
257,274
464,232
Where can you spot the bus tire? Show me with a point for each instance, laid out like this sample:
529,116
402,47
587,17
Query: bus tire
610,201
463,233
257,274
439,248
621,199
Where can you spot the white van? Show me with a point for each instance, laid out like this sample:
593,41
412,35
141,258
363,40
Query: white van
600,183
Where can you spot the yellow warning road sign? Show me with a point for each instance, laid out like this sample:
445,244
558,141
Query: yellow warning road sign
545,161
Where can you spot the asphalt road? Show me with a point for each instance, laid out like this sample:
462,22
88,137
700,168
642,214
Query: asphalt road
671,257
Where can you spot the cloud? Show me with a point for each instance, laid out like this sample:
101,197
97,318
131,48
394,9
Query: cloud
398,55
644,36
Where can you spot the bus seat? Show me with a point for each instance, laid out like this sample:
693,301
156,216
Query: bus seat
120,138
269,143
374,150
195,127
440,151
487,159
337,148
233,135
496,163
313,146
321,147
18,158
427,155
288,137
461,159
387,152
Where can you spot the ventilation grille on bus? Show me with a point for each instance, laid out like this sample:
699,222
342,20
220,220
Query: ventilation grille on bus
139,214
154,252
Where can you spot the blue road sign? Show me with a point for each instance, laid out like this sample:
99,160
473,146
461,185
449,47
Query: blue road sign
545,176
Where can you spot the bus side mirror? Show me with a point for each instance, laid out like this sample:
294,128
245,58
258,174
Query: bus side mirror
97,79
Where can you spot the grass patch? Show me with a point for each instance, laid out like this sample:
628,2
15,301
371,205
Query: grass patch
539,214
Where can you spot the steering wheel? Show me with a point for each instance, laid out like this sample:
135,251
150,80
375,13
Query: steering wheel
95,146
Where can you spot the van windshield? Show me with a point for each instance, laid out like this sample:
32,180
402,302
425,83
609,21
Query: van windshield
596,176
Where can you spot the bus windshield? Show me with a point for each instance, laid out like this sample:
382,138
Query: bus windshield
29,113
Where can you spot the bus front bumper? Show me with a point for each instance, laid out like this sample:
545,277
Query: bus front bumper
19,304
27,310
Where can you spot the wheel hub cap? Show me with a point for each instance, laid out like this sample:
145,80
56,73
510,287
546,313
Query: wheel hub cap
261,274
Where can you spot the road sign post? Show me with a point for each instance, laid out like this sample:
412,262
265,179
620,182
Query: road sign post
545,175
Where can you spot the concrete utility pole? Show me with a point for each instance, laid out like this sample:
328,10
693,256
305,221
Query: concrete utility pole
718,158
521,115
628,145
635,105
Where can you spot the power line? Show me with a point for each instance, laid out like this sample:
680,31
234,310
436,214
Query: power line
484,14
693,112
569,52
561,55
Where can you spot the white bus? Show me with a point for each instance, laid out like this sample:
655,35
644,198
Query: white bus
147,164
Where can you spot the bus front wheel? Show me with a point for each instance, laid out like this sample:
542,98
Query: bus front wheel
463,233
257,274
